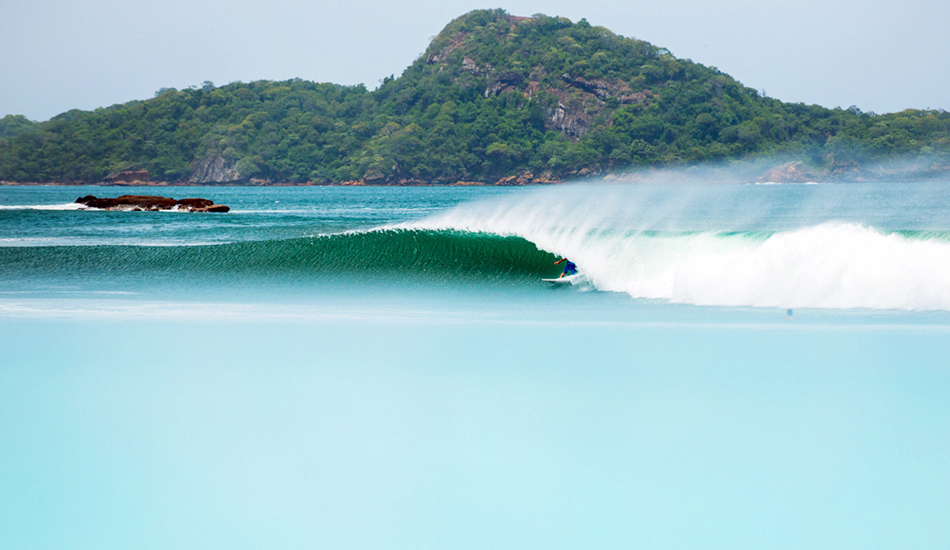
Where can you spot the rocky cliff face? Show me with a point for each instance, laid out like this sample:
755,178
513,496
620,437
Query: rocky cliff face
572,120
214,169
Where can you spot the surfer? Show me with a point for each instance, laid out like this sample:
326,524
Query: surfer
569,268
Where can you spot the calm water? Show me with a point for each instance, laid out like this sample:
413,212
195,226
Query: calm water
373,367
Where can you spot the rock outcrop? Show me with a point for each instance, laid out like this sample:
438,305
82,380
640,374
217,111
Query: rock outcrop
571,120
790,172
525,178
139,203
129,176
214,169
502,82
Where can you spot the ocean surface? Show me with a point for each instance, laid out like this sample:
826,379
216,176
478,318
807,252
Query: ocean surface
736,366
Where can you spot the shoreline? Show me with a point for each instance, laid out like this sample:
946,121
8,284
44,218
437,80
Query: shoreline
788,172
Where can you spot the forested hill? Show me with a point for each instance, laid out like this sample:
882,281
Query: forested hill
494,98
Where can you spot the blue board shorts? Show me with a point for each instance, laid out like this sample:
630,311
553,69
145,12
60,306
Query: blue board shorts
570,268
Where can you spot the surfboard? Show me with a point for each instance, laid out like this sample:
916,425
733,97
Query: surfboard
561,281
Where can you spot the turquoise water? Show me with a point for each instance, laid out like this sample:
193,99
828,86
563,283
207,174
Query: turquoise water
356,368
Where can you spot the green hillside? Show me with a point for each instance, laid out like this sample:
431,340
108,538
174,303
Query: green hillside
12,125
494,97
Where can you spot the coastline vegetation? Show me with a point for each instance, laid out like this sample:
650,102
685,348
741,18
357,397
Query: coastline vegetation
492,97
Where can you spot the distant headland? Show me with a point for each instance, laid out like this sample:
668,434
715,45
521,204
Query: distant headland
495,99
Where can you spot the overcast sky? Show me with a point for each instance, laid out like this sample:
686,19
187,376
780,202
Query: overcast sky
57,55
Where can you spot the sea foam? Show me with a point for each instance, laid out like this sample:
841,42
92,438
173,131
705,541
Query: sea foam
66,206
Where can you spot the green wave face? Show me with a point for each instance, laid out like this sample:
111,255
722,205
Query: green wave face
400,254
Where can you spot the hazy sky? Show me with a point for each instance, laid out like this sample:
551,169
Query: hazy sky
56,55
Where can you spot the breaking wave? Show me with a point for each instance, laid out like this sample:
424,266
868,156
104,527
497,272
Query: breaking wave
647,248
618,247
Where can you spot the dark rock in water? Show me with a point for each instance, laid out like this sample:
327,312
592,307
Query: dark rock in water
128,202
194,204
140,203
213,208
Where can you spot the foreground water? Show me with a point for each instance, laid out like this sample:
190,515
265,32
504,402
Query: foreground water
355,368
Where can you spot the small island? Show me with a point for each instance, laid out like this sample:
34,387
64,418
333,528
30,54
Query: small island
150,203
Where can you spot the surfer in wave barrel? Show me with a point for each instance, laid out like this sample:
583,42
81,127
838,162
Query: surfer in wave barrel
569,268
